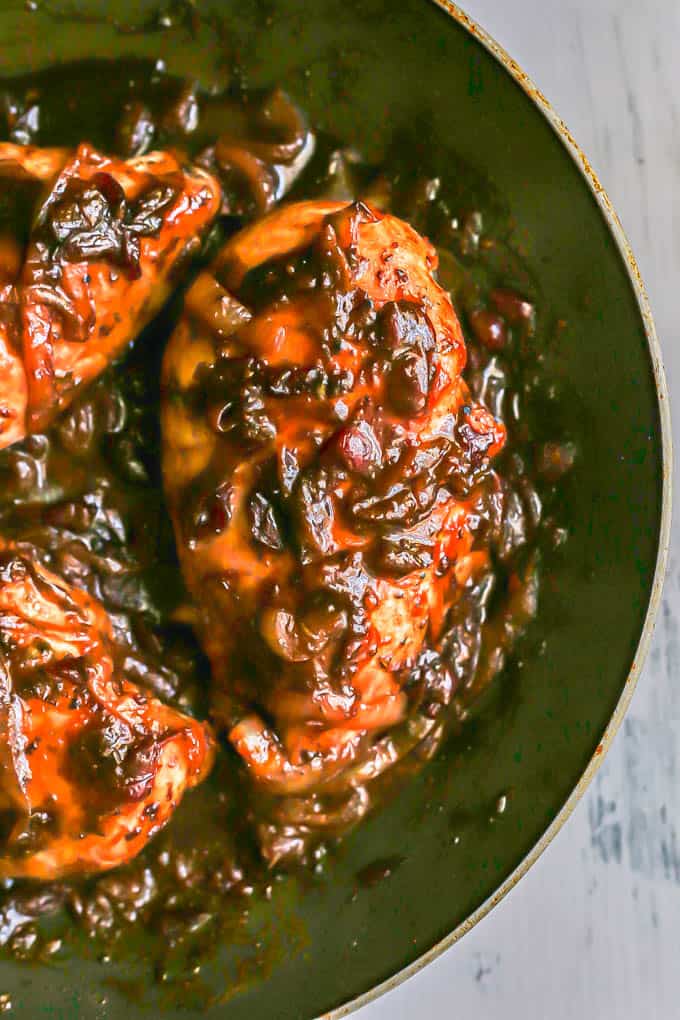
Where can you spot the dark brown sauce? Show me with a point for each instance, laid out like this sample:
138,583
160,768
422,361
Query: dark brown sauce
377,871
88,493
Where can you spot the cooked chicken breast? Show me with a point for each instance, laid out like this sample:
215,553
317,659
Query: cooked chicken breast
92,766
100,259
321,457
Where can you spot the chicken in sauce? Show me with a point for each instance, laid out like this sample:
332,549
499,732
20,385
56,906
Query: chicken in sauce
105,248
92,766
324,465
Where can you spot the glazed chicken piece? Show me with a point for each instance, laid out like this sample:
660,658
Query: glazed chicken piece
92,766
23,172
100,261
323,461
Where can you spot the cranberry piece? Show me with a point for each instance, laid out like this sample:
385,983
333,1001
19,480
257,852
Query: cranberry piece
512,307
489,329
360,448
408,383
404,324
210,515
264,526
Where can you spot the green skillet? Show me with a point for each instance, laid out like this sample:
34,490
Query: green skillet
370,71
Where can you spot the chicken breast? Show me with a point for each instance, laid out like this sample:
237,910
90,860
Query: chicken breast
321,460
100,261
24,169
92,766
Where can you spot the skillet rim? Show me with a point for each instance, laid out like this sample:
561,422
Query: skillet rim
613,222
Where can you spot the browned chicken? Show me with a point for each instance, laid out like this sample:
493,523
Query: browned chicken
99,263
323,462
23,172
92,766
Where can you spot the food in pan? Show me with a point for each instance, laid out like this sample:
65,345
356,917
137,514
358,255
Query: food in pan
274,491
103,250
329,477
92,766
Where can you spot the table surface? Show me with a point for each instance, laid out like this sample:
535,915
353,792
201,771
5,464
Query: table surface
592,930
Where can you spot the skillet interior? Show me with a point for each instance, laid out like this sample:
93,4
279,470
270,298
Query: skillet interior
369,72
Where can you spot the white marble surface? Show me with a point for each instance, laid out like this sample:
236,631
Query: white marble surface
593,929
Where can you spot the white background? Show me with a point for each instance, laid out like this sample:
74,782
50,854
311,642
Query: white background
593,931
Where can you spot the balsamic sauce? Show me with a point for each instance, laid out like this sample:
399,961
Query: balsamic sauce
87,494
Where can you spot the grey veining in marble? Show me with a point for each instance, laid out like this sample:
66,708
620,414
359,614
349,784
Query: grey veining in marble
592,931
